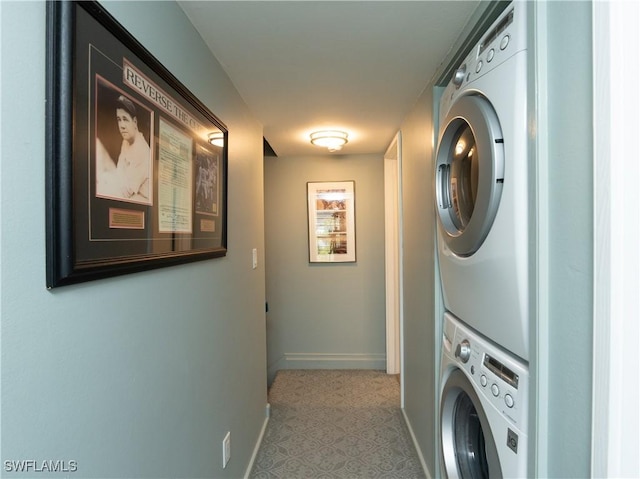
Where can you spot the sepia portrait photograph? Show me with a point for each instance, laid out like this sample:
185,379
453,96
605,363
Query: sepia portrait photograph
123,156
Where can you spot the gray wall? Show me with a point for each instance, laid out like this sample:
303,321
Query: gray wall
324,315
419,297
140,375
566,327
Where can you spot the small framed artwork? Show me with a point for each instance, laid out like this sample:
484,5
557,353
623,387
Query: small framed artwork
332,226
136,164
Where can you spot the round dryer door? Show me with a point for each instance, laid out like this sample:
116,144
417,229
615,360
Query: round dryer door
469,173
468,447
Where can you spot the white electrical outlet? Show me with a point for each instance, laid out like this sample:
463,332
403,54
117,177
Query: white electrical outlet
254,257
226,449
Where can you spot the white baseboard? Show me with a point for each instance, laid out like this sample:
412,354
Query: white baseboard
328,361
415,444
259,441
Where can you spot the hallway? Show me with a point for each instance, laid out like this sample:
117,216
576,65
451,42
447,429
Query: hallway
336,424
144,375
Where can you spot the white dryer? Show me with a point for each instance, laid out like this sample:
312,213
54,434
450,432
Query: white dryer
482,187
483,407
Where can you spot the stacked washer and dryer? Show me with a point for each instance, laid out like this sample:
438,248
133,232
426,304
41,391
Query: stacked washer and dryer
483,242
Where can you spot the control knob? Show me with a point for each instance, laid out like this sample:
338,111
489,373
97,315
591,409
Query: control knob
463,351
458,76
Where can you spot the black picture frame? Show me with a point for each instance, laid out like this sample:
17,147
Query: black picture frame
136,165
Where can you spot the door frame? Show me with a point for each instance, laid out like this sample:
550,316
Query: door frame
393,254
616,385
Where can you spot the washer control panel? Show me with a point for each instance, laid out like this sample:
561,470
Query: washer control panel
500,377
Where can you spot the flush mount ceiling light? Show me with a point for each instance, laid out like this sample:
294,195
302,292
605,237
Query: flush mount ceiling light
216,138
332,139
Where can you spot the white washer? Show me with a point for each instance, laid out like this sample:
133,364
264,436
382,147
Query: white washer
483,407
482,187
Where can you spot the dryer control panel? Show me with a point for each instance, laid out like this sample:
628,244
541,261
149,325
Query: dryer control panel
506,37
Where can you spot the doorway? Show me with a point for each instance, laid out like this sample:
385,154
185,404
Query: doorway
393,254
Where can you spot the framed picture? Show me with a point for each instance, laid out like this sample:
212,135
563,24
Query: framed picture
136,164
331,217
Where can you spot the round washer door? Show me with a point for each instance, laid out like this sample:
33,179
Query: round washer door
468,447
469,173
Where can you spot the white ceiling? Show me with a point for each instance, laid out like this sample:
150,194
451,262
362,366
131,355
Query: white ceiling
301,66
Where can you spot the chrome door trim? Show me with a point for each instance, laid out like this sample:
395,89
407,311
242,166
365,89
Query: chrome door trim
479,115
457,384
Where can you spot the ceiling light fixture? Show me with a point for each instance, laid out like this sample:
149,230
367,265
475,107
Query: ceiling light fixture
216,138
334,140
